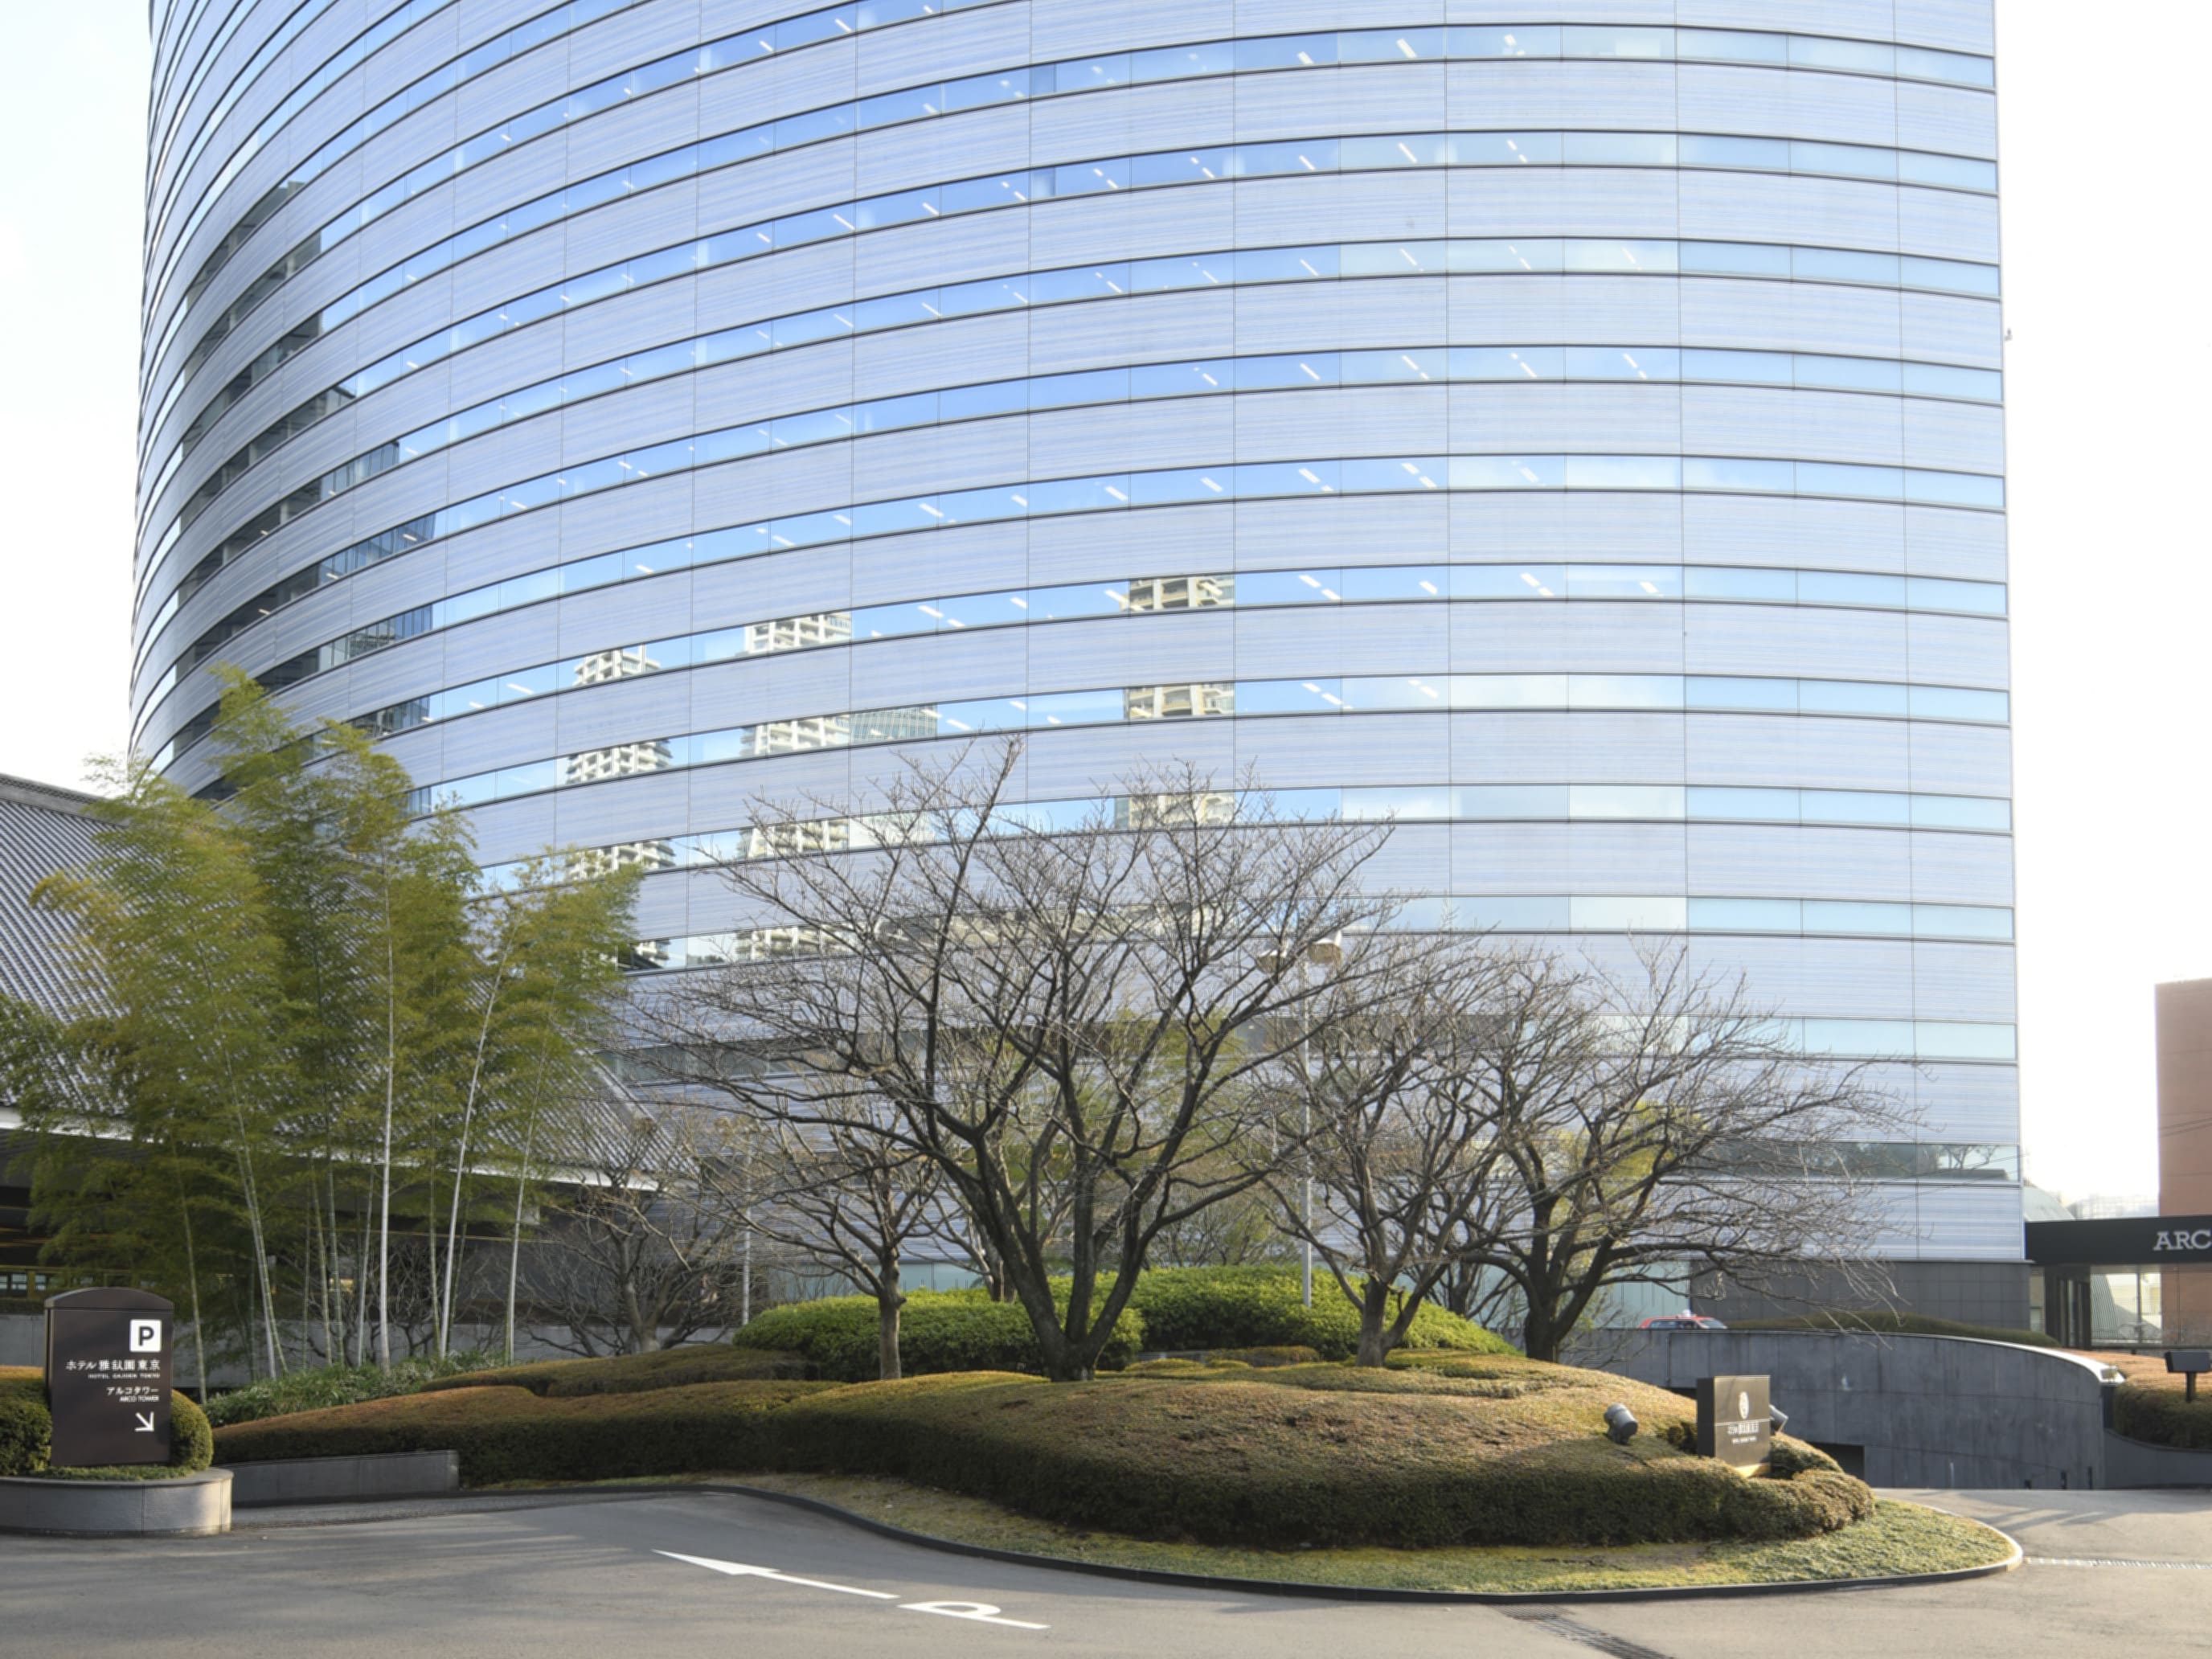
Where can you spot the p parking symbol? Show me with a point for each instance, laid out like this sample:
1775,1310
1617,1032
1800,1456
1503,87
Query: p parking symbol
145,1336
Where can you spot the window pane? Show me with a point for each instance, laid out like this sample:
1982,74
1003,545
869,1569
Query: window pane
1402,581
1611,800
1739,583
1509,581
1519,40
1508,362
1515,800
1745,915
1776,806
1653,913
1624,582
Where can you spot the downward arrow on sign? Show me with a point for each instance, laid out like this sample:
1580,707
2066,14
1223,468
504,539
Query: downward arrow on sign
145,1421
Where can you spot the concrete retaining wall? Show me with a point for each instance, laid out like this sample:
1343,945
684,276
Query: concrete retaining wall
337,1480
189,1506
2138,1463
1927,1410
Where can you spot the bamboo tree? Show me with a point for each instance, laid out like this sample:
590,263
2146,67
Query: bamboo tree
545,977
295,996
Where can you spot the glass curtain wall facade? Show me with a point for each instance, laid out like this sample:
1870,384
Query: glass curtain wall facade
1575,431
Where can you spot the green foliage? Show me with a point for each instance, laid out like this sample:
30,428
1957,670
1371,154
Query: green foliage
1887,1321
2162,1417
938,1331
1216,1308
26,1428
510,1434
27,1435
636,1373
1792,1457
1229,1461
1501,1450
336,1385
302,990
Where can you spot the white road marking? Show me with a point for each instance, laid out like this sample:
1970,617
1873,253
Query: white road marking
981,1612
739,1569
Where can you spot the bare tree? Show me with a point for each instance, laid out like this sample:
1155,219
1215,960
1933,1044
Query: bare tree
1399,1144
835,1195
1244,1231
1070,1024
636,1254
1653,1119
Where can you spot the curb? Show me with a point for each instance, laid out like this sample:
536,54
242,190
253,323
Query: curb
1371,1592
556,1495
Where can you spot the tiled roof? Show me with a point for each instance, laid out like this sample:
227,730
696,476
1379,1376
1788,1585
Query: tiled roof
43,829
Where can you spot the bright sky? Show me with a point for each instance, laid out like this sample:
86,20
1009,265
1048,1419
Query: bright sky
2111,587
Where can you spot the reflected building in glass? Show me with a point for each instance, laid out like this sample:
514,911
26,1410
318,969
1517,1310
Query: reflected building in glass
1580,440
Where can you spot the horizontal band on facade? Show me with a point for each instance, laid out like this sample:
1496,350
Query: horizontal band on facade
927,101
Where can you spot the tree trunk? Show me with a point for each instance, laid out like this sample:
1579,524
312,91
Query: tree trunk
1375,1343
890,1298
193,1273
1540,1335
514,1239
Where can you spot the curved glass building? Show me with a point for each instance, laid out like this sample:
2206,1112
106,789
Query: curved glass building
1574,429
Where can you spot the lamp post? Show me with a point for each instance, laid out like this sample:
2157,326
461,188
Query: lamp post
1322,953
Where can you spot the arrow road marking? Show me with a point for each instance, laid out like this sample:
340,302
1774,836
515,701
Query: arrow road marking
739,1569
981,1612
145,1422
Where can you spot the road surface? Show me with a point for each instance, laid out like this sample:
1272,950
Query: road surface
692,1573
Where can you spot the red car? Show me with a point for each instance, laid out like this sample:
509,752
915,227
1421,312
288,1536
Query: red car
1684,1321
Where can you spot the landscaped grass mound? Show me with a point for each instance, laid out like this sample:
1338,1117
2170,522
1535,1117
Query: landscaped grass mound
2151,1404
1231,1308
1512,1452
938,1331
317,1386
510,1434
1453,1449
1884,1321
633,1373
27,1435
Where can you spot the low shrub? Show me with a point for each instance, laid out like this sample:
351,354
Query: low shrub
1261,1358
510,1434
1231,1459
1224,1308
320,1386
633,1373
1291,1456
1885,1321
27,1436
2161,1417
1794,1457
938,1331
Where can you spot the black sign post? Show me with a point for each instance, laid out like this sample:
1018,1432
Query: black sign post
108,1376
1733,1422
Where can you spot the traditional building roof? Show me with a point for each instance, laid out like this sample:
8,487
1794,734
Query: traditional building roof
43,829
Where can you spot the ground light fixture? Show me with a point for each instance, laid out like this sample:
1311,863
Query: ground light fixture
1620,1423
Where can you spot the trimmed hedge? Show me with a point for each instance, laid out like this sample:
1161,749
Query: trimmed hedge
1237,1308
320,1386
27,1435
2161,1417
938,1331
509,1434
1501,1450
633,1373
1231,1461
